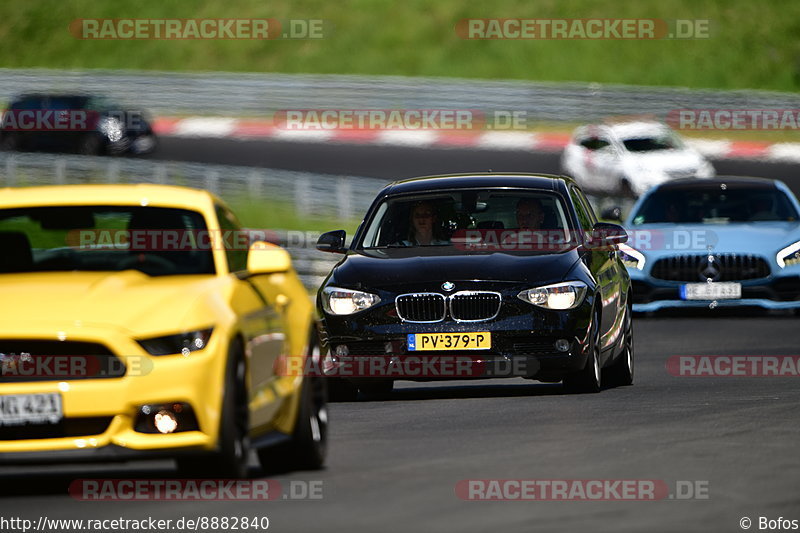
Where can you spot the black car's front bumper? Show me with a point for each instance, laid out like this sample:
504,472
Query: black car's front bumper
523,343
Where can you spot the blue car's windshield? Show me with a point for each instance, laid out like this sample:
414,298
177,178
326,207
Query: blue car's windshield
714,205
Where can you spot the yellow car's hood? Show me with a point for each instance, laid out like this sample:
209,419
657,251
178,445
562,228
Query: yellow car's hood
129,300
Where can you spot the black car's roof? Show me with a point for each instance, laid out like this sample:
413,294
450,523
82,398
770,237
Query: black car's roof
464,181
731,183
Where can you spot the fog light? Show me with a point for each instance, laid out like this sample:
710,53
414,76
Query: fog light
165,421
165,418
342,350
562,345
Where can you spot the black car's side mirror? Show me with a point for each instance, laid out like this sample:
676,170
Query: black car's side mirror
606,234
612,213
332,241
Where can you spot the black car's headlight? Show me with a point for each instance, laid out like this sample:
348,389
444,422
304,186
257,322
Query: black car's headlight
338,301
559,296
789,256
112,128
631,257
181,343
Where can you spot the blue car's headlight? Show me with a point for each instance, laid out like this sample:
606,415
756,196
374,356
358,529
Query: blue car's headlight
789,256
559,296
181,343
338,301
631,257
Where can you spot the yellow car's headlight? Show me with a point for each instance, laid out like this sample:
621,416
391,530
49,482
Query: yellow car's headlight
180,343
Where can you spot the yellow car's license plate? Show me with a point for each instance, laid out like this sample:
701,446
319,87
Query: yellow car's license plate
418,342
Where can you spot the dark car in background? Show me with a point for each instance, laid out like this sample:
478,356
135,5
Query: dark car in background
86,124
502,271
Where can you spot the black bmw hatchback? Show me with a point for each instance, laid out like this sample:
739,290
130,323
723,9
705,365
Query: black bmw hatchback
476,276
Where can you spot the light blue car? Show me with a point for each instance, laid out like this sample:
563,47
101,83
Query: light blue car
719,242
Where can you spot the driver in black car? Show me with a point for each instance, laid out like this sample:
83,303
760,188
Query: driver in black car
424,227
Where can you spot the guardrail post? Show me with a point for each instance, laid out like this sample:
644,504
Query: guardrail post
302,196
112,175
11,171
344,194
160,174
254,183
212,181
60,171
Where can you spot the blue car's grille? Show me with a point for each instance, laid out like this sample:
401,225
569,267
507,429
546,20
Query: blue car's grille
717,267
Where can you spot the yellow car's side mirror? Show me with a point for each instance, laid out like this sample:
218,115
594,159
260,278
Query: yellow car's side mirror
267,258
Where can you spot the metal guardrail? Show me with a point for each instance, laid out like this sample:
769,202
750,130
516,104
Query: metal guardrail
344,197
243,94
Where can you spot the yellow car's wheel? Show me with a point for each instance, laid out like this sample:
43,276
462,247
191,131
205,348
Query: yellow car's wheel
231,461
308,446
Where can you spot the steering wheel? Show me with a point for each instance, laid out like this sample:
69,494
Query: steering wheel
138,262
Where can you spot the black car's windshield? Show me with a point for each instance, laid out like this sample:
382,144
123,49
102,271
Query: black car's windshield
714,205
471,220
154,240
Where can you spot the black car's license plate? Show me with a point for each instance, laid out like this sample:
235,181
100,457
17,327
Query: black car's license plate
481,340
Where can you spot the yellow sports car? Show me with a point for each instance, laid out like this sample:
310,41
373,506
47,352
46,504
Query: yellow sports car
139,321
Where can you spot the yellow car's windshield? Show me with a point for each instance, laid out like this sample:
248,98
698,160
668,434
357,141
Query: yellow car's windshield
155,240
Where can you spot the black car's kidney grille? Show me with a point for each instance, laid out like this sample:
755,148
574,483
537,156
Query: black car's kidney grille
474,306
724,267
24,360
67,427
421,307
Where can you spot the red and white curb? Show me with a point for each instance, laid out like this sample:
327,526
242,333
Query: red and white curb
213,127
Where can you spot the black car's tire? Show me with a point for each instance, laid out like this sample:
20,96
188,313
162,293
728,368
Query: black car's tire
10,142
376,389
231,461
341,390
621,373
90,145
589,379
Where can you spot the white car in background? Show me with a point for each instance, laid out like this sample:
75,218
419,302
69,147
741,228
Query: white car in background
628,158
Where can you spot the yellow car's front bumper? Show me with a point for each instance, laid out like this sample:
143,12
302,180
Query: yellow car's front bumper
196,379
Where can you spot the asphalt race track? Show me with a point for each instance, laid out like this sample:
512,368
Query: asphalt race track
394,464
398,162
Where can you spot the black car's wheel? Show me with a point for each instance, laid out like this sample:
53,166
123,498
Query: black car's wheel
231,461
621,373
341,390
10,142
376,389
589,379
309,443
90,145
